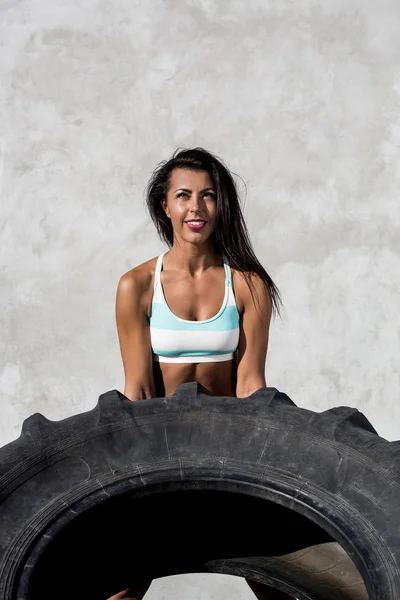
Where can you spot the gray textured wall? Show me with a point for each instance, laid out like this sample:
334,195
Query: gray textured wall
299,98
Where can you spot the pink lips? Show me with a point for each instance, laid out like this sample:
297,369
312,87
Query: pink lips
196,227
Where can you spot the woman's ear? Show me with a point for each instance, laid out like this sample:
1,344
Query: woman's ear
165,207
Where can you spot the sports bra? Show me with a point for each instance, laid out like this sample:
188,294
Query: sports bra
176,340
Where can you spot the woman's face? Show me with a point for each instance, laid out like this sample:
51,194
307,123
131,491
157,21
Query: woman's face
191,195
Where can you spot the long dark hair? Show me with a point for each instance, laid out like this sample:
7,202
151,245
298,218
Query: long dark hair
230,237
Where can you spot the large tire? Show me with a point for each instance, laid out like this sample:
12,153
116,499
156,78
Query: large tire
189,483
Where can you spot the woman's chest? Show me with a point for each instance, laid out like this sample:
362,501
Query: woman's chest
196,300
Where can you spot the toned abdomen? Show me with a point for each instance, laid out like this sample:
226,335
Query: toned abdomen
218,378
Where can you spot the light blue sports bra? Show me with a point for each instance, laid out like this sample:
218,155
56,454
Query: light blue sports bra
177,340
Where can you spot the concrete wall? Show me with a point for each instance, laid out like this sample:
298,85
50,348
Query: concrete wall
299,98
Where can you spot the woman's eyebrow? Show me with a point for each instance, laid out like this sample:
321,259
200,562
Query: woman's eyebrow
187,190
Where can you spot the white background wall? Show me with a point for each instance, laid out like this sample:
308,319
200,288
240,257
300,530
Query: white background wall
300,98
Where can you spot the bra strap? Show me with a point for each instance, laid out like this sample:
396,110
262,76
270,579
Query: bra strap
158,270
228,275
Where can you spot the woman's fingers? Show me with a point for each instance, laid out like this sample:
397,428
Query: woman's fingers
122,596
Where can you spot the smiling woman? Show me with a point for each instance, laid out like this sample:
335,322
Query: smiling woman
215,188
190,314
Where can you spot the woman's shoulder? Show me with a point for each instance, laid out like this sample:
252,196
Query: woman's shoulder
140,277
242,289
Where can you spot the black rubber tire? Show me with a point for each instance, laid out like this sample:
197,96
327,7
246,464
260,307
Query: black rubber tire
162,486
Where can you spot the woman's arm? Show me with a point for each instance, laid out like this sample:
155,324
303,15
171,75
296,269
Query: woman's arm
253,338
134,336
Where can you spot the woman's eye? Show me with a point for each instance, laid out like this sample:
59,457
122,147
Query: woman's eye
207,194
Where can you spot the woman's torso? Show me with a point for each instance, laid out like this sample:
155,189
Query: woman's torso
194,300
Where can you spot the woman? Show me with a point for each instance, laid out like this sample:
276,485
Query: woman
200,311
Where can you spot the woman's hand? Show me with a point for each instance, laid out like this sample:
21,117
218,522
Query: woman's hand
122,596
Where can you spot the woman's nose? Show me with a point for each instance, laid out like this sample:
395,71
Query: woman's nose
195,201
